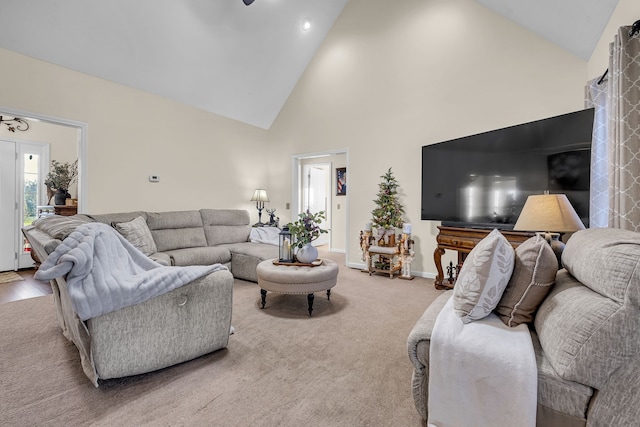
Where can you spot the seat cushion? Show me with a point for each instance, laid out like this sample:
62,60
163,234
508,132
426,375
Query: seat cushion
554,392
206,255
246,256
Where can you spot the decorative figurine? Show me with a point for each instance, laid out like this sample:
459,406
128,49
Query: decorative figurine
451,271
274,221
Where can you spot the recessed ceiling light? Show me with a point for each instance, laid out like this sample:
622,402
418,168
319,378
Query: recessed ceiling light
306,24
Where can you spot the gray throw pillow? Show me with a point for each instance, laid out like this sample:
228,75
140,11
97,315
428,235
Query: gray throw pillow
138,234
483,277
534,274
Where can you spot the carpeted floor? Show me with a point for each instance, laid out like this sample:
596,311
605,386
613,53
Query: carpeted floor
345,366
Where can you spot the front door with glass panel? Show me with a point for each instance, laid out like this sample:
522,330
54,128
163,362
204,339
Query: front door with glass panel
23,169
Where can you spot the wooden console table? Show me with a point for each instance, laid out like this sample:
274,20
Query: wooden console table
463,240
65,210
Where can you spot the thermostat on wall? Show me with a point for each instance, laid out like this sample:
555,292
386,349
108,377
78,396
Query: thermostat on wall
154,178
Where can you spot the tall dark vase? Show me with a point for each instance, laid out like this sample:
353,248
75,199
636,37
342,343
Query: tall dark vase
59,197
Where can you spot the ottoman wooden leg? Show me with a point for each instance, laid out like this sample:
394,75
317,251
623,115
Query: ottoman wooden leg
329,294
263,293
310,299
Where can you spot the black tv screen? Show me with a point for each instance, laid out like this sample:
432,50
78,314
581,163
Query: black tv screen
484,180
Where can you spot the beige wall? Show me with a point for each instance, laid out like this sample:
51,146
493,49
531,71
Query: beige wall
203,160
62,141
390,78
626,13
394,76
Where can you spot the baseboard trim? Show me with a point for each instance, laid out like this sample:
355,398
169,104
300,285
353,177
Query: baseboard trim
423,274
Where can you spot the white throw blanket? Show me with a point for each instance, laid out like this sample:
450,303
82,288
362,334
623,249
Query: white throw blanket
268,235
106,273
481,374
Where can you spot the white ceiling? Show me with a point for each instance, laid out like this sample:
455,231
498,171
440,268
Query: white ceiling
221,56
575,25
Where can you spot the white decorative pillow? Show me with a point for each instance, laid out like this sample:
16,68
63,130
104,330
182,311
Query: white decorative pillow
483,277
138,234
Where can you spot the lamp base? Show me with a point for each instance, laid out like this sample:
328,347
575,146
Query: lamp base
556,245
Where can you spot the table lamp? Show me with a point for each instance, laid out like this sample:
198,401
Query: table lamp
259,196
550,215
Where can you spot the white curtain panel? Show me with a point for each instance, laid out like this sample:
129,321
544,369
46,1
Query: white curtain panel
599,203
616,144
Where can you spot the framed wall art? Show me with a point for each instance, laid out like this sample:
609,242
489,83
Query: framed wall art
341,181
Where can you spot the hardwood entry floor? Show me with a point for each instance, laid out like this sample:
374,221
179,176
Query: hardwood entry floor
23,289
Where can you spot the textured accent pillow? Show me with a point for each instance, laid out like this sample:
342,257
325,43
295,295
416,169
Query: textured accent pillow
138,234
483,277
534,274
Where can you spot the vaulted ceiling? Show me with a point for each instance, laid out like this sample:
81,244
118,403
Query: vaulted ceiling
233,60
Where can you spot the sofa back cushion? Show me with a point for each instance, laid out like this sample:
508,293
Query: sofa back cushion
59,227
176,230
116,218
223,226
589,325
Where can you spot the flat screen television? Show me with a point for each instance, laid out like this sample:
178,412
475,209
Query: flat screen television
484,180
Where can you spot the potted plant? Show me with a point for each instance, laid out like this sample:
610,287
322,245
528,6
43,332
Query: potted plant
60,178
307,229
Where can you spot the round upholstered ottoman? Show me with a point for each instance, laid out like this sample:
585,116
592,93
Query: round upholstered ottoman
296,279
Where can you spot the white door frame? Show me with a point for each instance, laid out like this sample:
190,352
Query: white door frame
9,208
295,182
83,148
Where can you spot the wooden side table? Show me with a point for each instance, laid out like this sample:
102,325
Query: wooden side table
463,240
65,210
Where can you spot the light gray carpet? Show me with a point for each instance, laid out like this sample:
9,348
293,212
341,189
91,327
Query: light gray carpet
345,366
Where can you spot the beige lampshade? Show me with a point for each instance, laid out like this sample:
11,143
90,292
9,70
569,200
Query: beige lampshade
548,212
260,195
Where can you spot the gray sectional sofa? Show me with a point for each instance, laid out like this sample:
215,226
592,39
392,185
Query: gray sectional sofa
202,237
586,336
177,326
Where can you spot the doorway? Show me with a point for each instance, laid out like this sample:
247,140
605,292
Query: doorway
316,195
323,172
23,167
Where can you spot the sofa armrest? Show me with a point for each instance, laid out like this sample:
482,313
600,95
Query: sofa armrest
618,403
422,331
171,328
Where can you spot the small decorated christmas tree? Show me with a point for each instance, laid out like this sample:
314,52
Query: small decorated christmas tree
388,214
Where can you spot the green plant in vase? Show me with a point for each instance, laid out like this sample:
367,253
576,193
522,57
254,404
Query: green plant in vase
60,178
306,229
